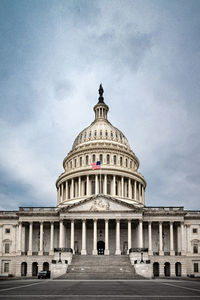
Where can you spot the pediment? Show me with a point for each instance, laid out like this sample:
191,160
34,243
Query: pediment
100,203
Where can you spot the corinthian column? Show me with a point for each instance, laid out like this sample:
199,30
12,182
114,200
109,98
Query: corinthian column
83,251
94,252
171,239
160,240
30,248
107,252
51,252
41,239
150,239
117,251
129,236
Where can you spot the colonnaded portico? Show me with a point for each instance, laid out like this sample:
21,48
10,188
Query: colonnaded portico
101,224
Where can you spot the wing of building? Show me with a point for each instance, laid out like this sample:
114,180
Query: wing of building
101,224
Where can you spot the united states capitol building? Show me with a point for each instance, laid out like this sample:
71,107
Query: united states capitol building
101,226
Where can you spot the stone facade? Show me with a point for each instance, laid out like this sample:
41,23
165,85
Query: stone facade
100,211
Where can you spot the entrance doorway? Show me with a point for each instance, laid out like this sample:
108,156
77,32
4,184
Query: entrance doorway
100,247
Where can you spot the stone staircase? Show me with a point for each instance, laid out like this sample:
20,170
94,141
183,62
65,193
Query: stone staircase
100,267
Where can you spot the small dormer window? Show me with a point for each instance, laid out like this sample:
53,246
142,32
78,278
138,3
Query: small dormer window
120,161
116,135
101,133
90,134
126,162
85,135
131,164
86,160
108,158
81,161
75,163
7,230
101,158
195,230
114,159
95,133
93,158
111,134
106,133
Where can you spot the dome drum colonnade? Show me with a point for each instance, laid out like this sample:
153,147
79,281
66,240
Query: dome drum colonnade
118,176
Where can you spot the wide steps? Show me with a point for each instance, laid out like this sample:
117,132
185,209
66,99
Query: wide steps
100,267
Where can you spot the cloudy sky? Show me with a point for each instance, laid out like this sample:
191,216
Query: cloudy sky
53,56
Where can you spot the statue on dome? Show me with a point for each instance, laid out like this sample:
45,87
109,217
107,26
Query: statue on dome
101,91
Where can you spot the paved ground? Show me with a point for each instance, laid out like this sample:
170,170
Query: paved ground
137,289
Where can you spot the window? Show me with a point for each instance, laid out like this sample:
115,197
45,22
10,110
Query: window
196,267
93,187
116,188
108,158
81,161
131,164
7,248
108,187
93,158
101,158
100,133
114,159
106,133
90,134
120,161
75,163
7,230
6,267
126,162
71,164
111,134
195,230
95,133
195,248
86,160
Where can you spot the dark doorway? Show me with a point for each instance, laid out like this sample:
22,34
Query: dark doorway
178,268
24,269
100,247
34,269
167,269
156,269
45,266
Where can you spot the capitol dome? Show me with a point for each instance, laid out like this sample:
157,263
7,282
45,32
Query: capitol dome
118,175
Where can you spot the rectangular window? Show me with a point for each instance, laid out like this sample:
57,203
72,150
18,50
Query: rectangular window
195,230
7,248
93,158
86,160
195,248
6,267
120,161
7,230
114,159
101,158
196,267
80,161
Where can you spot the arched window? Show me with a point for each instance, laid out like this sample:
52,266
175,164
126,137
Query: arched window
108,158
95,133
93,158
101,158
167,269
131,164
75,163
115,159
81,161
126,163
120,160
111,134
90,134
106,133
86,160
71,164
100,133
156,269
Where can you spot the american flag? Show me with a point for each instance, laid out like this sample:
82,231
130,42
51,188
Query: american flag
96,165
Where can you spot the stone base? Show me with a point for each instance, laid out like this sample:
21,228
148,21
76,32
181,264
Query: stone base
183,253
30,253
161,253
172,253
40,253
94,252
118,252
83,252
107,252
51,252
150,252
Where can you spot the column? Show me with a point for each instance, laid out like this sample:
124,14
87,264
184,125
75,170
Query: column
172,252
143,194
135,190
72,235
188,239
117,251
105,184
160,240
83,251
66,189
58,194
150,252
122,186
61,235
79,186
129,236
139,192
62,192
96,185
30,247
114,185
88,185
20,238
72,188
107,251
129,189
51,252
1,239
182,239
94,252
41,239
140,234
14,239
